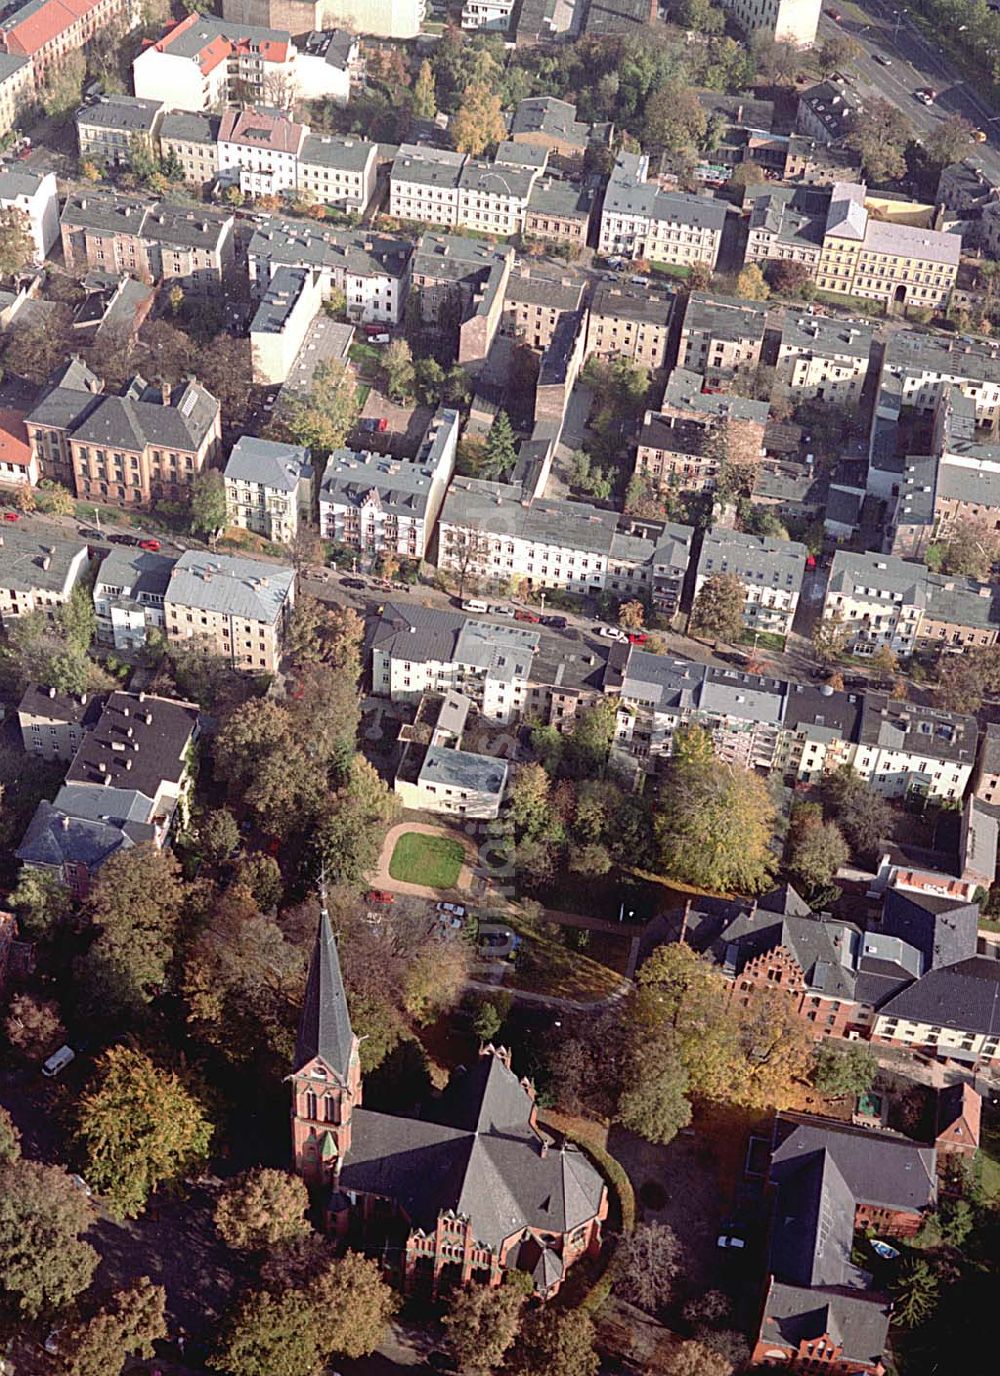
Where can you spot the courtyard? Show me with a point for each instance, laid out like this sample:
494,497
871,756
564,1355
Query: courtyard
434,862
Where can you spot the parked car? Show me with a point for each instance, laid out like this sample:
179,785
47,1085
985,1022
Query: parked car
639,281
637,637
610,633
357,583
558,623
12,515
925,95
58,1061
152,545
979,135
378,338
882,60
123,539
498,609
379,896
457,908
374,425
521,614
90,533
475,604
81,1185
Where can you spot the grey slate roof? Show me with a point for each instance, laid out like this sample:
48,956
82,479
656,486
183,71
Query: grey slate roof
73,708
880,1169
302,245
325,1030
344,154
138,744
132,114
54,839
463,769
755,559
964,996
244,588
475,1153
23,559
930,732
725,318
855,1320
632,303
190,127
135,571
268,463
824,950
126,423
813,1225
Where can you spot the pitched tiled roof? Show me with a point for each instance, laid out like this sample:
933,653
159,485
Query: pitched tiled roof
964,997
880,1169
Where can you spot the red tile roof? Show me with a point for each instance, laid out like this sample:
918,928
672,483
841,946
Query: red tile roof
43,25
14,446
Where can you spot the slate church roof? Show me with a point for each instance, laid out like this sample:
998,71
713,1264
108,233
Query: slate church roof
325,1030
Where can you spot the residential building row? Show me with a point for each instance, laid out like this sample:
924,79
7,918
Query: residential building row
641,220
849,250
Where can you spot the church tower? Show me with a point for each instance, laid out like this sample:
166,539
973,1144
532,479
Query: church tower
326,1075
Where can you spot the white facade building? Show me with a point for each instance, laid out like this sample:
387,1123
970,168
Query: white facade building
259,152
205,62
493,16
291,302
328,63
771,572
372,270
36,196
784,21
268,488
639,220
128,596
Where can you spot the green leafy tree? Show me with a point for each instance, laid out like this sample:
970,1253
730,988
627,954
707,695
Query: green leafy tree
862,814
695,1358
40,902
54,499
10,1139
718,607
714,827
829,638
589,746
479,120
880,133
352,1306
34,350
208,502
44,1264
482,1324
501,448
17,248
135,906
555,1343
489,1018
631,615
326,418
424,93
949,141
916,1293
654,1095
269,1335
261,874
837,51
751,284
261,1210
62,89
816,849
33,1025
127,1327
675,121
844,1069
397,367
218,835
139,1127
349,836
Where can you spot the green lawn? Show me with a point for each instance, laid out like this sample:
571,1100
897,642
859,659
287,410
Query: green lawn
434,861
989,1153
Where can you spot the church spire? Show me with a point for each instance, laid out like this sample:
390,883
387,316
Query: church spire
325,1030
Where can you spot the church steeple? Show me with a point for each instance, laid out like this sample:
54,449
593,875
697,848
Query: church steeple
326,1077
325,1031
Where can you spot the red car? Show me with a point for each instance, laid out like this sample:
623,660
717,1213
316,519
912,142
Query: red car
637,637
522,615
379,896
12,515
153,545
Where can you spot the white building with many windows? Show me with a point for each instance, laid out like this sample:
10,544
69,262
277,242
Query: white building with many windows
639,220
784,21
128,596
771,572
268,487
372,270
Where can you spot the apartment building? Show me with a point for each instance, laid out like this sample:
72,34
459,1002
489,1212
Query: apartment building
372,270
819,732
291,301
129,591
951,1012
146,445
259,151
203,63
639,220
53,723
630,322
671,560
987,775
904,748
417,650
462,281
47,31
156,241
827,111
439,187
491,533
328,64
823,359
127,783
439,776
72,393
675,449
490,16
37,574
545,122
967,479
269,488
192,141
879,598
831,231
559,212
534,302
36,196
18,461
381,18
232,607
376,504
721,337
340,172
783,21
17,90
112,128
771,572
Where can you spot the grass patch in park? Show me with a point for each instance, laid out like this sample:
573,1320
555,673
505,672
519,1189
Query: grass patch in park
434,861
671,270
859,305
361,354
547,967
766,640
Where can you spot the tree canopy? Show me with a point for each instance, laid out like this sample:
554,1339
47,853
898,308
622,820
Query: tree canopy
44,1262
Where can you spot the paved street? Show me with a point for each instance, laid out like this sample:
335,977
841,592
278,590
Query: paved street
915,63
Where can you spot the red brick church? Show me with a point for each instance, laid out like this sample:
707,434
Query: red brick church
469,1189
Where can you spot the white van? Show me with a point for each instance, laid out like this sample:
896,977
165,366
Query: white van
58,1061
473,604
